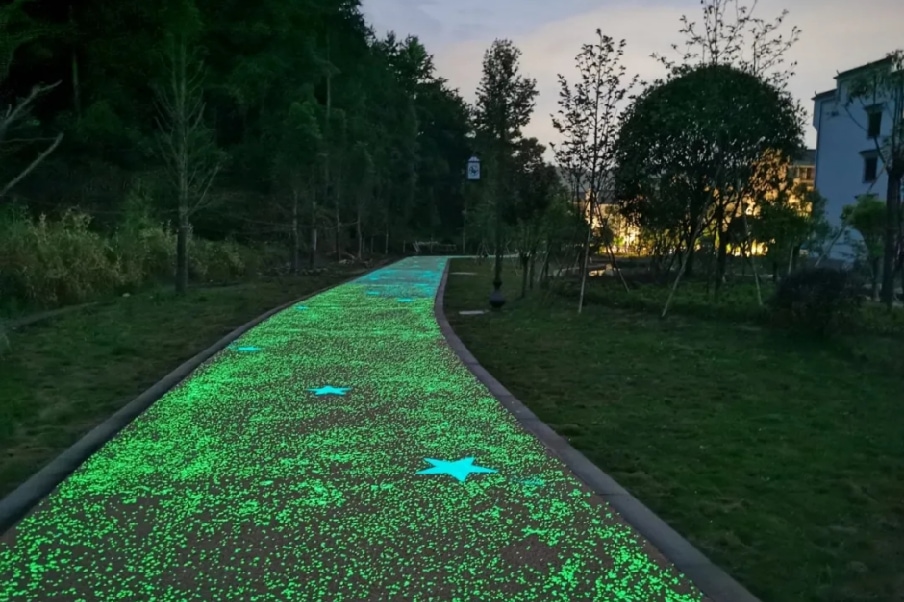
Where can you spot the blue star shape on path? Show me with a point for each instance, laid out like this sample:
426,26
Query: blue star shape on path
373,293
301,307
249,349
405,300
460,469
328,390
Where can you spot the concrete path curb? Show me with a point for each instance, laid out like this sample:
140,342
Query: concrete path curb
17,504
715,583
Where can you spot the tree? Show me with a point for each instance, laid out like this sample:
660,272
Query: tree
689,147
788,214
186,143
868,217
362,166
880,91
587,120
733,35
16,30
295,163
536,185
505,102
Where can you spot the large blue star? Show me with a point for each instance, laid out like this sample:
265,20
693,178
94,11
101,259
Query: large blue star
328,390
460,469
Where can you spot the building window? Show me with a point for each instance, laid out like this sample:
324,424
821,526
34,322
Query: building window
873,123
811,173
870,167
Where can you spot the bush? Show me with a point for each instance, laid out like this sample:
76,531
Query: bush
817,300
4,339
50,263
145,248
215,262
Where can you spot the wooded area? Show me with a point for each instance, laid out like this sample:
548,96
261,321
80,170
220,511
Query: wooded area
220,126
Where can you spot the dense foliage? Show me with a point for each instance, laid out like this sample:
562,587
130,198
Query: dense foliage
298,96
817,300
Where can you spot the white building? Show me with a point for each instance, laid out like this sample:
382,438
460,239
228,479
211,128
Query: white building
847,162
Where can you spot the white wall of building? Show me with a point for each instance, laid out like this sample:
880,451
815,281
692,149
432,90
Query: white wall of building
841,142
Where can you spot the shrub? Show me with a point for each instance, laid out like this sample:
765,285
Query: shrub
817,300
145,248
215,262
50,263
4,339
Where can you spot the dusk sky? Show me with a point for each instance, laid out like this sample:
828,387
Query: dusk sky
836,35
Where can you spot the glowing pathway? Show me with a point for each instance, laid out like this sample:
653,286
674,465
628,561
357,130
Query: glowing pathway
338,452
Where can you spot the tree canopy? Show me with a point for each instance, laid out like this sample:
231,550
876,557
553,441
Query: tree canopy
275,67
689,147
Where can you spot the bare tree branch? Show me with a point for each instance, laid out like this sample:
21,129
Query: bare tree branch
32,165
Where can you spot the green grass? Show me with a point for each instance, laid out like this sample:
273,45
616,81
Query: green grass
779,458
737,301
61,377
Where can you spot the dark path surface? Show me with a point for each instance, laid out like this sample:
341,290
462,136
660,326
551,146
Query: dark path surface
338,451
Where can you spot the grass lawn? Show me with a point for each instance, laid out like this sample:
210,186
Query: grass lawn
65,375
781,459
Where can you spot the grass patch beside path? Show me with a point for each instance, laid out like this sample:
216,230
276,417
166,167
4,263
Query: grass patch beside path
65,375
780,459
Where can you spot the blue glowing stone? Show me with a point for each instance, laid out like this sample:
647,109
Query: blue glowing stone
460,469
328,390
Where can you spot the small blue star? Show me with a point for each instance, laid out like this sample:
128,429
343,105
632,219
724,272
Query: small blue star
301,307
373,293
249,349
460,469
328,390
405,300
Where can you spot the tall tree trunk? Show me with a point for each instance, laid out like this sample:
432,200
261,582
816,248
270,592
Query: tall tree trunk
525,261
544,272
585,267
312,256
76,85
328,139
296,242
618,269
338,233
533,270
360,235
688,257
687,266
892,205
721,261
182,233
874,278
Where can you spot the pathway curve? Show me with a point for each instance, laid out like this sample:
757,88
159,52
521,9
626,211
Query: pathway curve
339,451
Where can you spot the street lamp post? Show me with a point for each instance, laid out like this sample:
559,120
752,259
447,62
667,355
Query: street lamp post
497,300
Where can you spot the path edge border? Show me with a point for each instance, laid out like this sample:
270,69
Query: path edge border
715,583
21,500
